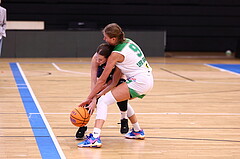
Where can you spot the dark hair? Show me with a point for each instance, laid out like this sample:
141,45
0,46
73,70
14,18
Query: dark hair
105,49
113,30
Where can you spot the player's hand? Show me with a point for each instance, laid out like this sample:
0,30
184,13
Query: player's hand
85,102
91,107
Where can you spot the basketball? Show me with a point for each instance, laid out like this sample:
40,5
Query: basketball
79,116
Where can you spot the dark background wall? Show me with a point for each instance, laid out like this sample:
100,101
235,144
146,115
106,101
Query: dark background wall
73,43
191,25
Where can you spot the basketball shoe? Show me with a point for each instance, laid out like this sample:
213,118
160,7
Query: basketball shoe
81,132
91,142
124,126
135,135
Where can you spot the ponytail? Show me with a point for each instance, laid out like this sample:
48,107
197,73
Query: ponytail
113,30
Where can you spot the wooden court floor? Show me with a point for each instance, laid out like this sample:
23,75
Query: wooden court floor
193,111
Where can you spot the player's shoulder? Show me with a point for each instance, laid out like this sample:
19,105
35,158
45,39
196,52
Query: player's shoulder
116,56
121,46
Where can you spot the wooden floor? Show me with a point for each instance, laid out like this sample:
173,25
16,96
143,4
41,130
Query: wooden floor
193,111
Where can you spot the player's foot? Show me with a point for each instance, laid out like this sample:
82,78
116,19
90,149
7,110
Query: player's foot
81,132
91,142
135,135
124,126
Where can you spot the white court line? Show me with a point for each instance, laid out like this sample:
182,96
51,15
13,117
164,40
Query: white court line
42,113
59,69
222,69
166,113
169,80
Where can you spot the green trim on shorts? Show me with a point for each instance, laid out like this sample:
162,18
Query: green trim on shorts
134,94
128,81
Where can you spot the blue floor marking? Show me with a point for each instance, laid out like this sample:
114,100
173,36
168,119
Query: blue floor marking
229,67
44,141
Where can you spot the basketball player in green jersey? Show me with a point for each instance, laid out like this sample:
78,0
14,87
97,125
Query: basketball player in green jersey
129,58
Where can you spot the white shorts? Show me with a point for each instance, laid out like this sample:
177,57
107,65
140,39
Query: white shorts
140,84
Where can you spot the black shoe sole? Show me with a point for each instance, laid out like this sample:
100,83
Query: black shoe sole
81,132
124,126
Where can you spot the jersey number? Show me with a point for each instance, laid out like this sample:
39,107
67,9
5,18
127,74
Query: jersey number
136,49
139,54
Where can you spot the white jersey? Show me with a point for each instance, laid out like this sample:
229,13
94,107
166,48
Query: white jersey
134,62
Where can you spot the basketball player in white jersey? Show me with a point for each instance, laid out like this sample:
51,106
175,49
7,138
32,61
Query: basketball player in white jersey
129,58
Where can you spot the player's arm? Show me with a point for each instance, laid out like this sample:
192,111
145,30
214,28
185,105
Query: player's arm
112,59
115,79
94,67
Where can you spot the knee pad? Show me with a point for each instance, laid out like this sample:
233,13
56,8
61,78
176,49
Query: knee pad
123,105
102,105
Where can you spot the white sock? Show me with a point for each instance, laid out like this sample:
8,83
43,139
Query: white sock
123,114
136,127
96,132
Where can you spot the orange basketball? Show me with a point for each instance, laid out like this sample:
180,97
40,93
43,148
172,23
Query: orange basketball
79,116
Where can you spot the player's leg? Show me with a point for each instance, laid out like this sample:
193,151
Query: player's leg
124,121
93,140
136,132
123,109
138,88
119,93
80,133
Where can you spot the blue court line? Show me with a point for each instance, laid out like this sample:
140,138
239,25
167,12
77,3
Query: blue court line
45,142
235,68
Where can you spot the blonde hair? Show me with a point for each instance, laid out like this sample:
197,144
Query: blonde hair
113,30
